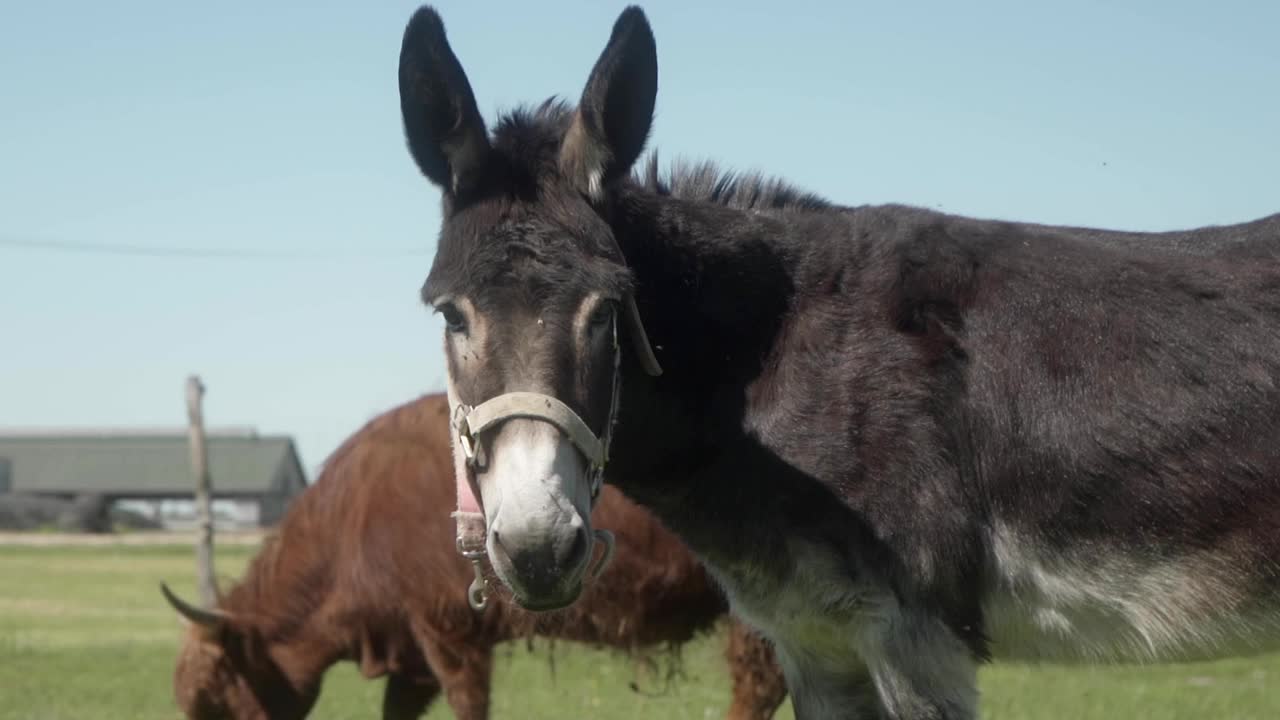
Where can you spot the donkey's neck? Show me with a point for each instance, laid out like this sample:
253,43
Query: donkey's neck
715,286
714,283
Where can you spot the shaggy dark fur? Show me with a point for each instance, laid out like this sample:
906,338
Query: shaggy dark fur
363,569
929,428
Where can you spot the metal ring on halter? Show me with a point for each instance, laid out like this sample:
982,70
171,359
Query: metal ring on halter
605,538
475,592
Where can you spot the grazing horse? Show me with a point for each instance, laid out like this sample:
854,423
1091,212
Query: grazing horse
363,569
903,441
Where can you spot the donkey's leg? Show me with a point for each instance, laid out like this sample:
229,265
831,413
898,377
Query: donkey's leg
464,666
828,688
921,670
758,685
407,697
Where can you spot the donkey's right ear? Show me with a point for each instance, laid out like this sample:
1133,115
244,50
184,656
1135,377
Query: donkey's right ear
442,125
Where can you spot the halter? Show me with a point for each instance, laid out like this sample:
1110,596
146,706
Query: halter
467,424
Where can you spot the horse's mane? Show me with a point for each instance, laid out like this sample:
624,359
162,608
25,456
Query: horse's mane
290,572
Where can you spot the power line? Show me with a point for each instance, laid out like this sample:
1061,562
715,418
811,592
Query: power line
68,246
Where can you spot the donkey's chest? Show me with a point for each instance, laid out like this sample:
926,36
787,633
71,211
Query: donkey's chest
814,607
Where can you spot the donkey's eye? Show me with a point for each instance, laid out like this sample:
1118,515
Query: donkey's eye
454,321
601,316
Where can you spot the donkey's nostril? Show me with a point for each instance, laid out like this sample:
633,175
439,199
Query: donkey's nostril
544,563
498,548
578,550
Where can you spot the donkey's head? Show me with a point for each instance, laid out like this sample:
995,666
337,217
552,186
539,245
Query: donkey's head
535,293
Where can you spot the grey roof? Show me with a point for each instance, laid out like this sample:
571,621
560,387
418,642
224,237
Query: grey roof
147,463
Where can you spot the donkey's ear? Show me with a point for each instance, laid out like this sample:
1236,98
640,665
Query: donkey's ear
445,132
616,110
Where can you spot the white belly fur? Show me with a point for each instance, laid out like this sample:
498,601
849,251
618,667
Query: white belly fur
1097,605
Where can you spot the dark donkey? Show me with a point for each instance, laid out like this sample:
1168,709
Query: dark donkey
904,442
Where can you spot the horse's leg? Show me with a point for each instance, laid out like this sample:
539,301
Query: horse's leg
758,685
464,667
407,697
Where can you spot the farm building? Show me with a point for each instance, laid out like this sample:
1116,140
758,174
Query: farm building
254,477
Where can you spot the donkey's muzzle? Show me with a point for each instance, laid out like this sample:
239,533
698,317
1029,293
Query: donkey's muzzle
547,575
541,557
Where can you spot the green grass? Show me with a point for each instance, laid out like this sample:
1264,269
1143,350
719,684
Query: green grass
84,634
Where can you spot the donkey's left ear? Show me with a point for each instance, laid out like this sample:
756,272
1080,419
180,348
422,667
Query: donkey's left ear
615,113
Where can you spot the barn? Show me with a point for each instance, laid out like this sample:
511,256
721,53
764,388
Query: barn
254,476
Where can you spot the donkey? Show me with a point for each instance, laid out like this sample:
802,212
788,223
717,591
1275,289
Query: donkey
904,442
361,569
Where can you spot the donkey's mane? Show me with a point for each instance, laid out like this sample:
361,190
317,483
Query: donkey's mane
532,131
707,182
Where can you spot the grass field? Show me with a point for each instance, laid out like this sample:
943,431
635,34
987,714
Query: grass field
85,635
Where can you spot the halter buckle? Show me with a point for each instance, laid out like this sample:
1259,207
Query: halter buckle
465,440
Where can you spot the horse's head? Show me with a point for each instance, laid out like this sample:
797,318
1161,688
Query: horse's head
534,291
226,670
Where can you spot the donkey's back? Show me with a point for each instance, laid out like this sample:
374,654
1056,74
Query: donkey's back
1119,395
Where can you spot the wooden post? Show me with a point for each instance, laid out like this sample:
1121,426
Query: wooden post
204,510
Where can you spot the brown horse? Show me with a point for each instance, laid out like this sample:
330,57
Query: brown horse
363,568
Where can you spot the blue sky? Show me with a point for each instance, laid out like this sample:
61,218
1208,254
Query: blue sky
274,128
